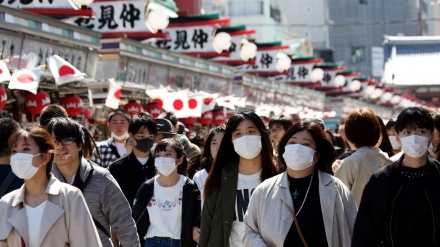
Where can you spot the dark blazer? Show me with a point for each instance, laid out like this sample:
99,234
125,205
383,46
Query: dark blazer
190,211
219,210
374,225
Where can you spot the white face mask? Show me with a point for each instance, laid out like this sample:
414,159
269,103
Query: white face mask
21,165
248,146
298,157
415,146
120,138
165,166
394,142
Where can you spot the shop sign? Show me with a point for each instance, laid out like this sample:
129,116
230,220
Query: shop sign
115,17
47,4
297,73
134,71
157,76
188,39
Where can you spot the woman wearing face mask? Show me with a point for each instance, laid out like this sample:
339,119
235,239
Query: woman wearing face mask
400,203
167,207
303,206
44,211
106,202
209,153
243,161
363,131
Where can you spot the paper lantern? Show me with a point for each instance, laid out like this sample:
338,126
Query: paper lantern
206,118
188,120
73,105
133,108
157,20
218,117
36,102
248,51
154,109
3,98
222,41
317,74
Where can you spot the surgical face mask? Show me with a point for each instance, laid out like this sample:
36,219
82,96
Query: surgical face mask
248,146
21,165
298,157
164,165
120,138
415,146
144,145
394,142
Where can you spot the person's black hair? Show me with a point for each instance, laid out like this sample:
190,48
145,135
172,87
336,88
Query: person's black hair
385,145
414,117
64,128
281,120
324,147
436,118
227,156
170,116
118,112
174,142
197,139
51,111
142,120
390,124
8,126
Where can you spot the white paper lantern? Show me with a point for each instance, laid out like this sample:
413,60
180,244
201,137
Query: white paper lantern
355,85
317,74
157,20
395,99
82,2
386,97
222,41
248,51
377,93
283,62
369,90
339,80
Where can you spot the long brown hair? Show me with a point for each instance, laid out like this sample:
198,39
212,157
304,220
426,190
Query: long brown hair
227,156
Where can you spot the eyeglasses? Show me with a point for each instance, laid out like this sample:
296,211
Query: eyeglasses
65,142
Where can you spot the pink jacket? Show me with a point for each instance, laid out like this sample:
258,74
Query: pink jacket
66,219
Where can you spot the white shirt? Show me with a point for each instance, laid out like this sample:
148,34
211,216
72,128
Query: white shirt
121,148
34,217
245,186
143,161
165,210
200,178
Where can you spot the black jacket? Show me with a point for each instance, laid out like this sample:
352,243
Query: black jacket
374,225
130,174
190,211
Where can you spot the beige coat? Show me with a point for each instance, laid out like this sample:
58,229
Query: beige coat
355,170
270,212
66,219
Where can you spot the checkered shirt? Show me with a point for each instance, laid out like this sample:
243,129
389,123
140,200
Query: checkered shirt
107,155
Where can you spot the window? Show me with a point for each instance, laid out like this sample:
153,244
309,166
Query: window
357,54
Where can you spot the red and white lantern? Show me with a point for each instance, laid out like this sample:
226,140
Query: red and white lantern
188,120
73,105
3,98
206,118
36,102
218,117
133,108
154,109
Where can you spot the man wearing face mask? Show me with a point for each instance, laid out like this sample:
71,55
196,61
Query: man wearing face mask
114,147
8,180
132,170
400,204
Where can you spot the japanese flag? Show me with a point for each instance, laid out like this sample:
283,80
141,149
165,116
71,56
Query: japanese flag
239,101
208,102
26,79
114,95
62,71
158,95
5,75
227,101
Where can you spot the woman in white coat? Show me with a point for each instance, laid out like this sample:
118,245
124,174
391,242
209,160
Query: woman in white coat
303,206
44,211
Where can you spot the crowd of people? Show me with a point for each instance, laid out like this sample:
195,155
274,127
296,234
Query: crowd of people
287,183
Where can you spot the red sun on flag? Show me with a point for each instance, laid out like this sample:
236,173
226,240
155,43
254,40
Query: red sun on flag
159,102
25,78
192,103
178,104
118,93
1,71
66,70
208,101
